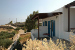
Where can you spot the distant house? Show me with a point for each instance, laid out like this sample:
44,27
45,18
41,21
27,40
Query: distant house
58,23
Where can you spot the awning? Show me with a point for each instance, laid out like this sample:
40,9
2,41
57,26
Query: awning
45,15
70,4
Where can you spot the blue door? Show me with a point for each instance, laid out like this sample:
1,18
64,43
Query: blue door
49,28
52,28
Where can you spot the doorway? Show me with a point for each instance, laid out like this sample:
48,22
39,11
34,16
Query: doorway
52,28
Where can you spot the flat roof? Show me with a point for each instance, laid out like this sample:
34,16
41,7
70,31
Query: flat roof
45,15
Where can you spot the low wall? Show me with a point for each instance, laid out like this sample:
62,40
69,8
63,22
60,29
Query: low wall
42,30
33,38
12,45
66,35
34,32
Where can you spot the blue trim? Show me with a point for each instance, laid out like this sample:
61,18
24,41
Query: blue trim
43,23
49,28
53,28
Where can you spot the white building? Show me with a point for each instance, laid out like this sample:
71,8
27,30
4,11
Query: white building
58,23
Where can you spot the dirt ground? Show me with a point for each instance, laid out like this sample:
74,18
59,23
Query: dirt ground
23,37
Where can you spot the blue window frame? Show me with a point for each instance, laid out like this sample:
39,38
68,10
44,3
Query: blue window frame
45,23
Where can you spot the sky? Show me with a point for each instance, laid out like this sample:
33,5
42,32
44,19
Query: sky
20,9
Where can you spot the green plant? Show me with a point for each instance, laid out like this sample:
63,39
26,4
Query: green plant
19,38
18,28
30,24
14,32
4,35
5,42
25,30
9,27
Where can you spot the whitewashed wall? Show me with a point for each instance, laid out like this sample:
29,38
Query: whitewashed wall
58,22
65,19
67,35
42,30
72,17
34,32
61,23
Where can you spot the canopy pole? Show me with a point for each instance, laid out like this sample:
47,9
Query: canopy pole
68,19
38,27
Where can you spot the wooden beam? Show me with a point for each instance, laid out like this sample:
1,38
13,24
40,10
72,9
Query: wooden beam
38,27
71,4
35,17
69,19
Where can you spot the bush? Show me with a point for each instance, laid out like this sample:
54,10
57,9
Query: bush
45,45
22,28
72,39
25,30
18,28
24,37
20,38
4,35
5,42
10,28
14,32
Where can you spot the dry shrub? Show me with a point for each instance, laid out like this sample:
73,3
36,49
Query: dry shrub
72,41
24,37
44,45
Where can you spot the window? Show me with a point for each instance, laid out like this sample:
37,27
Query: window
45,23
